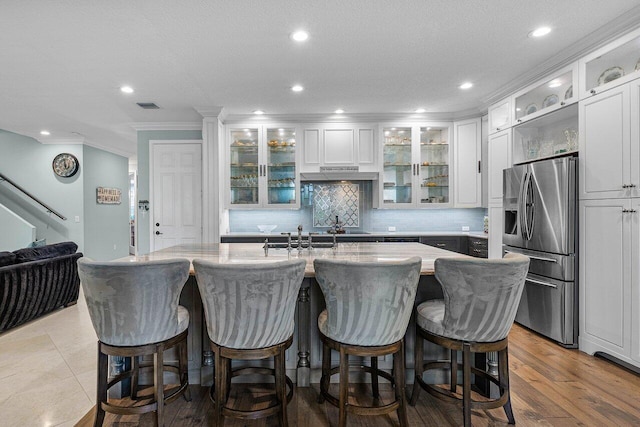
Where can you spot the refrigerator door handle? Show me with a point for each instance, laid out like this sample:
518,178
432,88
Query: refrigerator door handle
540,282
539,258
531,206
521,207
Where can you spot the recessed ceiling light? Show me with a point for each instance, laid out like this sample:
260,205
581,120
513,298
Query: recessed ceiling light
126,89
539,32
297,88
258,112
466,85
45,132
339,111
555,83
420,110
299,36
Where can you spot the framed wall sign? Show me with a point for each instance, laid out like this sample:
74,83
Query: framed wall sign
108,196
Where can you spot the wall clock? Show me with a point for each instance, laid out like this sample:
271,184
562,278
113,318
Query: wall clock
65,165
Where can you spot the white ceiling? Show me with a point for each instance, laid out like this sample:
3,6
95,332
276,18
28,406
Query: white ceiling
63,61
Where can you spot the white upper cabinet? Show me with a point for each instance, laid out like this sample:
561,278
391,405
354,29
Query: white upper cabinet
605,145
337,146
499,159
500,116
416,169
610,66
546,95
467,152
262,167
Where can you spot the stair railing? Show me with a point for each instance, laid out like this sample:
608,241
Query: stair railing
32,197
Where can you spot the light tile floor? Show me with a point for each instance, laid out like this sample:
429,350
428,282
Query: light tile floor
48,369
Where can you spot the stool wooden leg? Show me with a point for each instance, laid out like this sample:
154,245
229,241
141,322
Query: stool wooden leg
418,366
158,384
218,381
281,387
135,366
466,384
344,387
184,369
101,394
398,369
326,372
374,377
503,379
454,371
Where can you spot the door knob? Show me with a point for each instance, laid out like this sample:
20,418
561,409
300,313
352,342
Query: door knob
158,233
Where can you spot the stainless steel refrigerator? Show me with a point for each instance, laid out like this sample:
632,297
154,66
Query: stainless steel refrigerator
540,220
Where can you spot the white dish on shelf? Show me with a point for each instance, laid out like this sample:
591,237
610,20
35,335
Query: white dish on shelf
569,93
531,108
267,229
610,74
637,68
550,100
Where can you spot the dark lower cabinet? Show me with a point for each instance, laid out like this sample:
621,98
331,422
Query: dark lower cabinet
449,243
478,247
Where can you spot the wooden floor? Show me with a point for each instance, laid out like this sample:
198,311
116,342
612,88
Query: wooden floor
551,386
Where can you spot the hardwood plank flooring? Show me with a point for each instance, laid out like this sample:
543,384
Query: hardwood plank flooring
551,386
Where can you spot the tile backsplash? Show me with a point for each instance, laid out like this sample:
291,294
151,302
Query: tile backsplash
370,220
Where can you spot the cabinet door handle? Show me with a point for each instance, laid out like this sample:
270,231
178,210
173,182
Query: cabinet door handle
441,245
562,103
479,166
592,91
519,120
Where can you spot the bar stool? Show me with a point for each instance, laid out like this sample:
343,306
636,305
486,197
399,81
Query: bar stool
134,311
368,309
249,310
481,297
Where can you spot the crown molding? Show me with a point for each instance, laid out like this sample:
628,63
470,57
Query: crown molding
602,36
351,118
71,140
141,126
211,111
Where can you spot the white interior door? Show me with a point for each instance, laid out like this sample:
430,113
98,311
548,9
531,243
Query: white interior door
177,194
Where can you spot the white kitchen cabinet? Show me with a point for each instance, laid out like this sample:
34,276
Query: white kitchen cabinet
612,65
467,155
500,116
339,146
499,159
605,145
546,95
496,219
608,273
262,167
416,166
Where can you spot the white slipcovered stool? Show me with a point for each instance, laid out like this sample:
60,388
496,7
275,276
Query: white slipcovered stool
481,297
135,312
249,310
368,309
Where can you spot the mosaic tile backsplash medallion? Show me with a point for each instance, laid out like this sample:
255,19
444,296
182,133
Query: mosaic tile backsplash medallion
341,200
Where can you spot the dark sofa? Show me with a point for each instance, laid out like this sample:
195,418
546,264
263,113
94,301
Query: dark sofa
36,281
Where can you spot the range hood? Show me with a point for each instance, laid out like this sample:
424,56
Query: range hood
339,173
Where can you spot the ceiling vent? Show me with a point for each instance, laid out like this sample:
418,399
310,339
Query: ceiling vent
147,105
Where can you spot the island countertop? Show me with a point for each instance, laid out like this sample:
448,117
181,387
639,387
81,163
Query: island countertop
230,253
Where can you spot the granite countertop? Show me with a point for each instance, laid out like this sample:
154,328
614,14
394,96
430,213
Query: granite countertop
478,234
236,253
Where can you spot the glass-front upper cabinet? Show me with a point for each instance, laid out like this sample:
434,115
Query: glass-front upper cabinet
416,163
610,66
500,116
398,165
434,165
263,167
281,168
546,95
244,167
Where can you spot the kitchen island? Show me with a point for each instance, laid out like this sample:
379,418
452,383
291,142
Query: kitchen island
304,356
